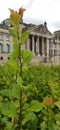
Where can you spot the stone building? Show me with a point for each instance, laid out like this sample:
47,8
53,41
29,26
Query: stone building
56,47
5,43
40,41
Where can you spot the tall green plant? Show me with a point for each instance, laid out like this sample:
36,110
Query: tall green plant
19,57
16,111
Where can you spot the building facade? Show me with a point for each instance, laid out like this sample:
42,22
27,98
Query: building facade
5,43
40,41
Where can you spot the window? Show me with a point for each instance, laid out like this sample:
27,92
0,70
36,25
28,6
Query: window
8,58
1,58
7,48
55,52
55,37
0,48
7,37
59,38
54,45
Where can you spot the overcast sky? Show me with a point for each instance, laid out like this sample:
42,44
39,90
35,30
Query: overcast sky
37,11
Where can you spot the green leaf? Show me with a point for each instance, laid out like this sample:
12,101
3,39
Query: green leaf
16,92
9,109
23,37
5,119
14,65
9,126
13,32
19,80
15,19
27,56
1,101
57,104
29,116
15,53
36,106
6,93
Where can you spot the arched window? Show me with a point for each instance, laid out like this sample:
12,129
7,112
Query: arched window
0,48
7,48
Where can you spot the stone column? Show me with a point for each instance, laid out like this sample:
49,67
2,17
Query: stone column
4,48
11,44
53,51
28,43
33,44
59,51
57,44
43,47
37,46
23,47
4,45
47,50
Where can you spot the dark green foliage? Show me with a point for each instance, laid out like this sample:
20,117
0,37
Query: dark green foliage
44,82
41,98
38,77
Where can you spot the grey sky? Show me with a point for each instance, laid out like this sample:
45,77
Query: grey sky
37,11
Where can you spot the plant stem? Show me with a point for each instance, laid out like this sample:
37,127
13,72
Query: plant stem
47,119
20,74
20,114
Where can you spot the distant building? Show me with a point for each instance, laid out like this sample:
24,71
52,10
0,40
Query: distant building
40,41
5,43
55,47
